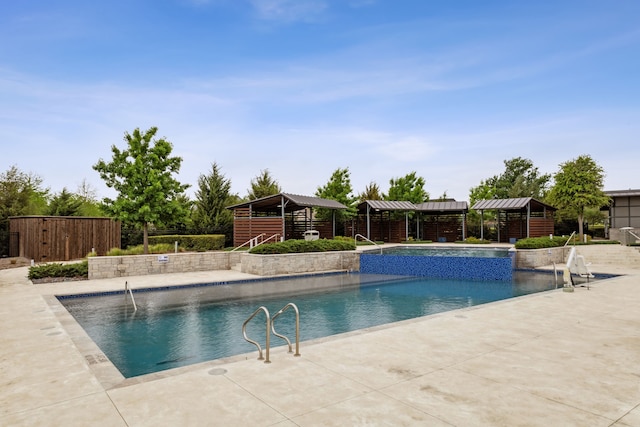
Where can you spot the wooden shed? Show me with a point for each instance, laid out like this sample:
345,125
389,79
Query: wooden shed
62,238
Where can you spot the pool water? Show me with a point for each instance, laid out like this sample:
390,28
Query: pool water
182,326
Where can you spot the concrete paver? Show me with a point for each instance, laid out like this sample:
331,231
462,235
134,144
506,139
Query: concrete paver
554,358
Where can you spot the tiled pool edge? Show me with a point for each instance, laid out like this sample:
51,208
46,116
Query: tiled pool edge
472,268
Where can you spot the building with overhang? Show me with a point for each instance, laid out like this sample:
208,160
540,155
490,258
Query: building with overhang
518,218
624,214
284,215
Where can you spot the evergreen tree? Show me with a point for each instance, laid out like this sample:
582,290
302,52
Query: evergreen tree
213,195
338,188
65,204
263,185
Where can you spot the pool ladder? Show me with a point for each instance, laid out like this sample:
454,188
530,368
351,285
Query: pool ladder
128,289
271,329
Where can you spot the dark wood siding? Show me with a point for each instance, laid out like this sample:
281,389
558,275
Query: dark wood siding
61,238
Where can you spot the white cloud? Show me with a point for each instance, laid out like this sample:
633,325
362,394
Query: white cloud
289,10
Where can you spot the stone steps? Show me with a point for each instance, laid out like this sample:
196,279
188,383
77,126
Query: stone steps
624,256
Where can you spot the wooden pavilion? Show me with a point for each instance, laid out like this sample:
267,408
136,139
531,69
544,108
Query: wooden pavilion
518,218
397,221
287,215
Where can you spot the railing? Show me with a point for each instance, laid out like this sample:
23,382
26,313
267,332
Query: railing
256,241
268,322
270,328
569,239
368,240
275,316
127,288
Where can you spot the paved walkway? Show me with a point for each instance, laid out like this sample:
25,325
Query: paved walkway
550,359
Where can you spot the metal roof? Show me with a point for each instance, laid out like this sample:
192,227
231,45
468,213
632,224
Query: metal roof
449,206
292,202
387,205
510,204
622,193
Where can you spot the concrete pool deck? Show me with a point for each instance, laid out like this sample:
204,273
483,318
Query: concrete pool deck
549,359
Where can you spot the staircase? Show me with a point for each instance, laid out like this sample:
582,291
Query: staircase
623,256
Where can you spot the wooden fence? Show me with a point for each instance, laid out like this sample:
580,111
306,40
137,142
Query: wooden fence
63,238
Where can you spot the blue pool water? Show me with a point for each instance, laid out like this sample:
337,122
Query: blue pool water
182,326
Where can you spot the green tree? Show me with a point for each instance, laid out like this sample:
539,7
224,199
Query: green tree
578,186
407,188
213,196
88,196
519,179
338,188
263,185
65,204
21,193
371,192
142,175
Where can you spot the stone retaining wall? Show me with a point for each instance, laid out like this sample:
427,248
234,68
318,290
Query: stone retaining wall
271,265
533,258
106,267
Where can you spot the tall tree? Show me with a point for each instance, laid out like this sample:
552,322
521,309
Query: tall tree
263,185
210,207
143,176
578,186
408,188
519,179
21,193
88,196
338,188
65,204
371,192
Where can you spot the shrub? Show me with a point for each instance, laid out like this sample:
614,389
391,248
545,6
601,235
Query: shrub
78,269
199,243
541,242
160,248
301,246
475,241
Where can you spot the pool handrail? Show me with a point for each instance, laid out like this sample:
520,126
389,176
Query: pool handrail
127,288
268,322
273,330
368,240
256,241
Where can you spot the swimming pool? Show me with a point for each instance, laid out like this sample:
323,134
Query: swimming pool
185,325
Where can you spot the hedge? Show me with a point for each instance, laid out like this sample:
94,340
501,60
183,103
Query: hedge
300,246
78,269
198,243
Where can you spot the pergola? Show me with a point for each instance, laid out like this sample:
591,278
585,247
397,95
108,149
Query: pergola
268,214
519,213
369,208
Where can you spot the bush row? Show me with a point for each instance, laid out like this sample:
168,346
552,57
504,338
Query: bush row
198,243
78,269
300,246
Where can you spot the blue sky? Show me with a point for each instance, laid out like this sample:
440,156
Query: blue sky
303,87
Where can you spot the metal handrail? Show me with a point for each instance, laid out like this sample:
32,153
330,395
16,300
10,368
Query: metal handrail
368,240
248,242
268,322
127,288
256,241
569,239
275,316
